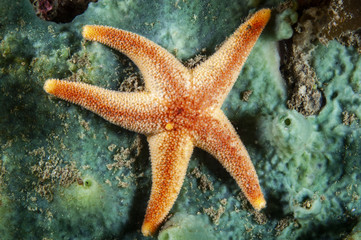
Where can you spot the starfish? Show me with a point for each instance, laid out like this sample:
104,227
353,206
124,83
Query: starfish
179,110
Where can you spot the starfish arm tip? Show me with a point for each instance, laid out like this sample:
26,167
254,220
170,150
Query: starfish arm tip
259,203
86,30
266,14
147,229
89,31
262,17
50,85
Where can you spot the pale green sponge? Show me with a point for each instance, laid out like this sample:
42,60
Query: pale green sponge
183,227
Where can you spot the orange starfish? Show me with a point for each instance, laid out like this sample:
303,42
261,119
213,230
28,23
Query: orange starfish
179,110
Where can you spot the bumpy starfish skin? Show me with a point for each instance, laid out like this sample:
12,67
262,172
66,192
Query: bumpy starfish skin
179,110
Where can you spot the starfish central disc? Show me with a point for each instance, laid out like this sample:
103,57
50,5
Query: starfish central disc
169,126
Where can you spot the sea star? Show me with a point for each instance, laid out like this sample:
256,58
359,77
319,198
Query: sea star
179,109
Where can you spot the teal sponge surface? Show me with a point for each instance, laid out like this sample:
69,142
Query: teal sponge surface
66,173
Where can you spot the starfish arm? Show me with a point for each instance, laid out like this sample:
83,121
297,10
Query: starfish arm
217,136
135,111
170,153
223,67
162,72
